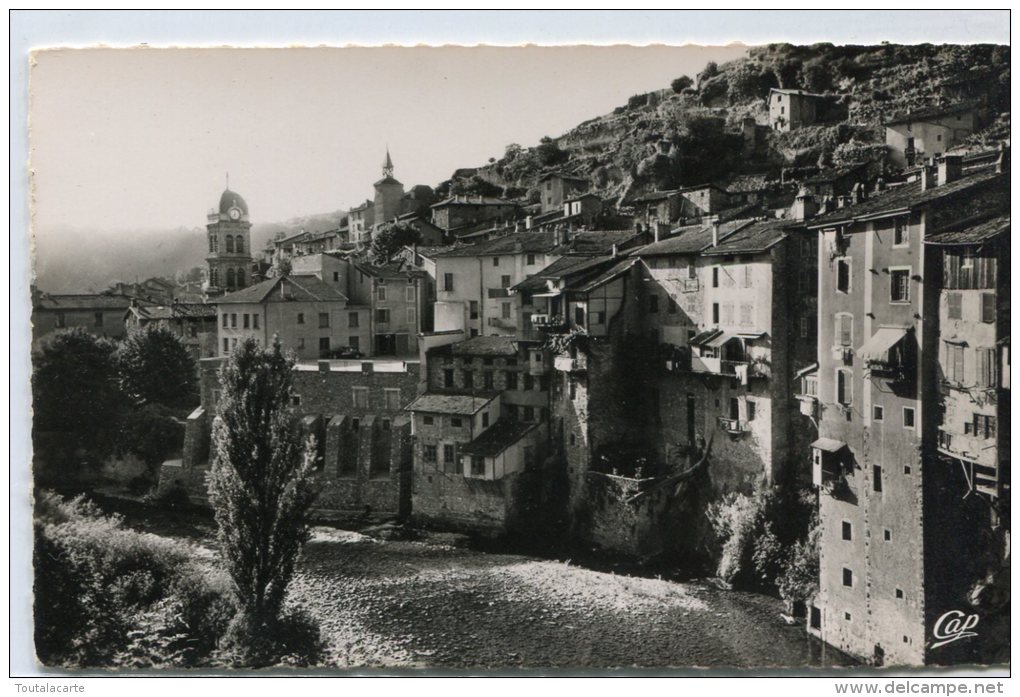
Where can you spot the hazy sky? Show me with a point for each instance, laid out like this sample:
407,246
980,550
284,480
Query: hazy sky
139,139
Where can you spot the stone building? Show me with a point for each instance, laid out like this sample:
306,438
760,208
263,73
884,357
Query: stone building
355,412
481,435
474,282
456,213
928,133
193,323
100,314
556,188
395,296
312,318
229,236
792,109
902,542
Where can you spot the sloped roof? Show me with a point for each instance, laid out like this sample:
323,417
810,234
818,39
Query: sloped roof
462,200
82,301
597,241
564,267
497,438
176,311
932,113
390,269
515,243
974,233
691,241
756,237
484,346
798,93
463,404
653,196
903,198
299,288
607,275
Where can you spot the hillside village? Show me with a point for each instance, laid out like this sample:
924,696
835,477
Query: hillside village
786,274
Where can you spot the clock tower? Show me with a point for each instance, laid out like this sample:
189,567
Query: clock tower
229,238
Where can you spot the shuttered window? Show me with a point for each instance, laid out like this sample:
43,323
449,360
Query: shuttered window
844,387
987,367
955,303
954,363
845,329
988,307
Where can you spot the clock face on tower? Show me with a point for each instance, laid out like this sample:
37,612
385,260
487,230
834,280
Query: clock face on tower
234,213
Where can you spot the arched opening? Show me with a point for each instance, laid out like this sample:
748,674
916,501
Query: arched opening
239,244
214,277
240,278
230,277
230,244
212,243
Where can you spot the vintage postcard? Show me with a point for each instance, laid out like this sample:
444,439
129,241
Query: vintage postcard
548,358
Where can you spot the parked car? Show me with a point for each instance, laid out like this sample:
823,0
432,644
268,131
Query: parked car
344,352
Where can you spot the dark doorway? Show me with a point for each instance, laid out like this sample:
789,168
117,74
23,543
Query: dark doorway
323,346
386,344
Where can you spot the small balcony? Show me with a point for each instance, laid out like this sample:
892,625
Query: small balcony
548,322
734,427
717,366
808,405
566,364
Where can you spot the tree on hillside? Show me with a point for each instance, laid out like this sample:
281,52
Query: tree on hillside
388,239
261,489
681,83
710,71
74,390
155,367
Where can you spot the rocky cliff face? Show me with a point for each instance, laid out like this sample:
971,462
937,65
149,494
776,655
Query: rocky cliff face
668,138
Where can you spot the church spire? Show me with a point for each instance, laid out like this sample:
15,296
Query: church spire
387,168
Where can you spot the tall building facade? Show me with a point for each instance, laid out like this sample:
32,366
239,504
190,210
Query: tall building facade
905,534
229,257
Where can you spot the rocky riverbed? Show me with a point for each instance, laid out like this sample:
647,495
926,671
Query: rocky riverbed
436,602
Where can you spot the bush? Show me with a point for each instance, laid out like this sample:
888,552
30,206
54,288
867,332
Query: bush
153,433
681,83
106,596
768,540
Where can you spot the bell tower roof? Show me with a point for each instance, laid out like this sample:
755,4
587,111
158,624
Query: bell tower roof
231,199
387,168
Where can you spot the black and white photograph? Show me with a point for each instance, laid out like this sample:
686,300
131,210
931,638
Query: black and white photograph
526,359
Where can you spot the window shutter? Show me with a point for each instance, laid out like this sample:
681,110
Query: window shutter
958,363
988,307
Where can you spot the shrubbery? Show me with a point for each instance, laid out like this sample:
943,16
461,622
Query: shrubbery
107,596
768,541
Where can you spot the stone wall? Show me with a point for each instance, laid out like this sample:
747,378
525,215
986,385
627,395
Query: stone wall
364,445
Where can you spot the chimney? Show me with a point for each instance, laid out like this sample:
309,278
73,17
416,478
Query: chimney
804,206
927,177
715,234
655,235
616,250
528,222
950,168
857,193
880,184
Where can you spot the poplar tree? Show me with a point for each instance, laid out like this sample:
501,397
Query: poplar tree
261,490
